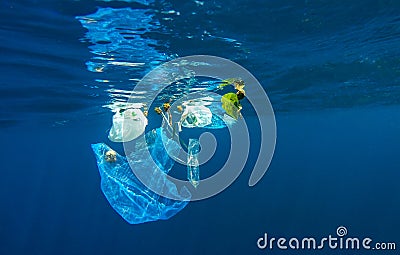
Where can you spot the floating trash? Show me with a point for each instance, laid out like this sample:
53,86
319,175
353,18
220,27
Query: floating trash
193,171
127,125
231,104
196,116
127,195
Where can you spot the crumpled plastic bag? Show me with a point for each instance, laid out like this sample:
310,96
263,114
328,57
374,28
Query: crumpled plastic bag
126,193
196,116
205,112
127,125
231,104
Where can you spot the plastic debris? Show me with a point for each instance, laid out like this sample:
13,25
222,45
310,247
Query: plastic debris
193,170
127,125
231,104
110,156
196,116
217,123
135,202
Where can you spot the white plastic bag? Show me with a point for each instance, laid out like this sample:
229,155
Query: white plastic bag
196,116
127,125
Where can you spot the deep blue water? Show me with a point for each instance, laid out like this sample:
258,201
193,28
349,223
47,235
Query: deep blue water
331,71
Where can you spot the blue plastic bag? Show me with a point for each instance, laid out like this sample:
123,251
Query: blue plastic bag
127,195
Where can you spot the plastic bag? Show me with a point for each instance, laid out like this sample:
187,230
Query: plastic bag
231,105
127,195
127,125
196,116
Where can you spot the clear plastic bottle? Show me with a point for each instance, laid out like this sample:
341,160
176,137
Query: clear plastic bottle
193,171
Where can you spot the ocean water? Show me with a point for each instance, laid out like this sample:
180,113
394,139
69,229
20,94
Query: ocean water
331,71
